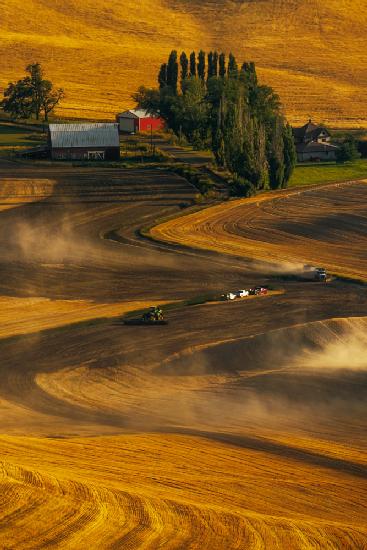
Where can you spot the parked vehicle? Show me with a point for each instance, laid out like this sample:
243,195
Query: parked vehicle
255,291
229,296
242,293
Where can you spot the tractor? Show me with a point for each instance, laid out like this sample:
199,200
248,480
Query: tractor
152,317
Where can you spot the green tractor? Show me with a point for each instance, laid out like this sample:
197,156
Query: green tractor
152,317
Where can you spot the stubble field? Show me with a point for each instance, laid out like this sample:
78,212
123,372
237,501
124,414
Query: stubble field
312,53
237,425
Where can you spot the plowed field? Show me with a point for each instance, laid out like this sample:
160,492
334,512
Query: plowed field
238,425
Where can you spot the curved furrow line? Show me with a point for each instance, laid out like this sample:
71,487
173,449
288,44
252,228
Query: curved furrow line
263,228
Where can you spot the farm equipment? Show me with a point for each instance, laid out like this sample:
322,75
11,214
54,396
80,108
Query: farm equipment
320,274
315,273
152,317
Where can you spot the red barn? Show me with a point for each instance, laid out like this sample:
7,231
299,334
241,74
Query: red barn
138,120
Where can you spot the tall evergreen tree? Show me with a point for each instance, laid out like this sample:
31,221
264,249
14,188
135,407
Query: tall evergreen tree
201,65
218,146
162,76
192,64
210,65
232,66
222,65
276,155
172,71
184,62
215,64
290,155
234,115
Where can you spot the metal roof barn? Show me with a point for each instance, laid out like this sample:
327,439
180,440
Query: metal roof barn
89,141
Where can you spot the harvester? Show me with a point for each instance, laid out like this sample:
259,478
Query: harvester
315,273
320,274
152,317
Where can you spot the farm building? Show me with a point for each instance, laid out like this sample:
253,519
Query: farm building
138,120
84,141
313,143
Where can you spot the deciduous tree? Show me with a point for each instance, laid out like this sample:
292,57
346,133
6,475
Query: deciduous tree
31,95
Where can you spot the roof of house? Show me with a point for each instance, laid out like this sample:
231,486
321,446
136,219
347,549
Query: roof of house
136,113
314,147
84,135
309,131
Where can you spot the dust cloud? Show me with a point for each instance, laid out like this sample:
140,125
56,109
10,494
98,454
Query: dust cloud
290,376
347,351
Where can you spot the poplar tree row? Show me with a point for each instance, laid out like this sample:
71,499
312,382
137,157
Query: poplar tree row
213,102
176,71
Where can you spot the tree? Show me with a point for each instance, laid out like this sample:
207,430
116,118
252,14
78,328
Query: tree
162,76
222,65
192,111
348,151
276,154
290,155
193,64
201,65
184,62
148,99
18,100
232,66
235,116
172,71
215,64
210,65
31,95
37,84
49,98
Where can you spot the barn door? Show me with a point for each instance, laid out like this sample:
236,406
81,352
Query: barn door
95,155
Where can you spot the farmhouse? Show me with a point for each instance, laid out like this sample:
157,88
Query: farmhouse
138,120
313,143
84,141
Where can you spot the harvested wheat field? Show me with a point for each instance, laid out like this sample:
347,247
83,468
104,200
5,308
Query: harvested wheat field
312,53
236,426
325,226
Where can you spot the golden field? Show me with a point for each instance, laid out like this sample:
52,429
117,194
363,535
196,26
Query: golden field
236,426
166,491
313,53
288,228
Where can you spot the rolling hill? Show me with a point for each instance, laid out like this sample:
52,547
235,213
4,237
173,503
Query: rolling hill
238,425
312,52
